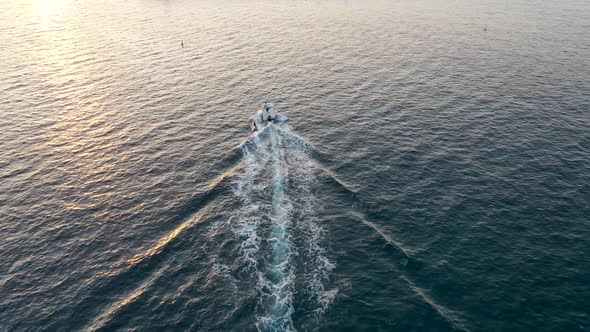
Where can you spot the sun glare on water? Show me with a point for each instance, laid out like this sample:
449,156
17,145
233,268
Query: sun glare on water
46,7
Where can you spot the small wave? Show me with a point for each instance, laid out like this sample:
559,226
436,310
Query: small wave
445,313
405,251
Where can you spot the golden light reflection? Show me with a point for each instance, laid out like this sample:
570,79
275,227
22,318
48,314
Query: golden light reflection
46,7
48,14
83,153
157,249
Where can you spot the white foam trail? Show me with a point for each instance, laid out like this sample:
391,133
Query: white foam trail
249,213
277,203
308,225
276,280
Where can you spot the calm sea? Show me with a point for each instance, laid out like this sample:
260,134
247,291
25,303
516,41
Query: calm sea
434,174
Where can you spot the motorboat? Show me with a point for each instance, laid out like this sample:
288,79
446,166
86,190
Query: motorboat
266,116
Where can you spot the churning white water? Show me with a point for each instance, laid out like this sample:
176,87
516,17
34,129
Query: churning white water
278,205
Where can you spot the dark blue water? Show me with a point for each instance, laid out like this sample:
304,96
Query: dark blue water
434,174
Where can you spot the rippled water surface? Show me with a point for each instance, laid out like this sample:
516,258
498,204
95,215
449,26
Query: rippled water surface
434,175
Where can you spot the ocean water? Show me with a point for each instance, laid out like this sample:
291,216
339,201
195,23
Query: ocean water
434,174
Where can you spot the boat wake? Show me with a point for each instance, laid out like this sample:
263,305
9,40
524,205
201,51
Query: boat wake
279,235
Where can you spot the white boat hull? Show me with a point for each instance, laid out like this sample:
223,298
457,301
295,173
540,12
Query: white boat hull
266,116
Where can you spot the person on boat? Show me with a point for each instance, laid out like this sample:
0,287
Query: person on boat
265,116
272,115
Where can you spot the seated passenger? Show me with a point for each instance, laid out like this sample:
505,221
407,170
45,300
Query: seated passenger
272,115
